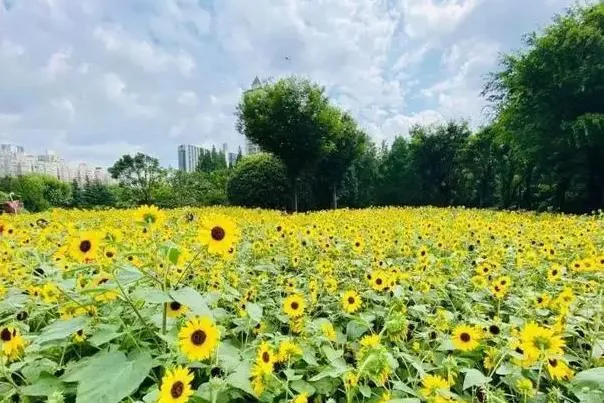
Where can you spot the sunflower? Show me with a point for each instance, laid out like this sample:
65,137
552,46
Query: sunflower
79,336
328,331
199,338
265,358
301,398
176,309
466,338
351,301
287,350
85,246
150,216
350,380
434,386
540,342
12,343
219,233
294,306
176,386
558,369
554,273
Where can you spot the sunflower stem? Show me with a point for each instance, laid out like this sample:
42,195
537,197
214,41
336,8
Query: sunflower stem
539,376
128,300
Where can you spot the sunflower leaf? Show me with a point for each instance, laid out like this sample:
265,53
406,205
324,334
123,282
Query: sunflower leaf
474,378
254,311
109,376
60,329
193,300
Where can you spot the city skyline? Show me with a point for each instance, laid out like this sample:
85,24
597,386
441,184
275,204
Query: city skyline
16,161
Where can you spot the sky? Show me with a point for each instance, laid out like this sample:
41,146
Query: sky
94,79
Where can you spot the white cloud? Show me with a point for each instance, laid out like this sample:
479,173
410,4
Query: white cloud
58,63
10,49
429,17
116,91
142,52
188,98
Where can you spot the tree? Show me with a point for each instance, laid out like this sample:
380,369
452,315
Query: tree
210,161
141,173
550,98
345,142
259,180
284,118
38,192
77,196
435,154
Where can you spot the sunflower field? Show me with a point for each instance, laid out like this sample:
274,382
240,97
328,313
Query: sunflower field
228,304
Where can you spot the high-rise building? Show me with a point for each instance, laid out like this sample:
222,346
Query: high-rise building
188,157
251,147
231,159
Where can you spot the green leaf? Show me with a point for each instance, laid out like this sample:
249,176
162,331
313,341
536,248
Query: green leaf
109,376
228,355
398,385
240,379
474,378
46,385
128,274
330,353
597,350
193,300
405,400
104,334
33,369
254,311
309,355
60,329
170,251
590,378
365,390
446,345
151,295
301,386
355,329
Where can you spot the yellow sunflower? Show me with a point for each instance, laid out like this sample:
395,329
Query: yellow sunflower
176,386
176,309
12,343
85,246
199,338
558,369
294,305
351,301
466,338
150,216
434,386
265,359
219,233
540,342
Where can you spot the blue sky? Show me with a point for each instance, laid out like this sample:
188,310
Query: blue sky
94,79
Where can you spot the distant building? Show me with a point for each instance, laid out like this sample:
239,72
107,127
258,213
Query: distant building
231,159
14,162
251,147
188,157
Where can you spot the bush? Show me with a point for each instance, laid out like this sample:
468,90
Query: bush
259,181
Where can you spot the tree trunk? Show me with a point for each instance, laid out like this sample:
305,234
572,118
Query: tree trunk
295,195
334,196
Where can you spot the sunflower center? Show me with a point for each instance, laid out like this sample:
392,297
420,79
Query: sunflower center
218,233
198,337
378,281
494,329
554,272
295,305
149,218
175,306
351,300
553,362
266,357
177,389
465,337
6,335
85,246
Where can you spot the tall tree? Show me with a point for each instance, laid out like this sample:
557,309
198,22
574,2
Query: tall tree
550,97
140,173
284,118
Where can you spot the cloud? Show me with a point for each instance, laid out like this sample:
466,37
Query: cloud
97,78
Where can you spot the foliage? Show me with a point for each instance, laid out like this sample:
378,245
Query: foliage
141,173
290,119
259,180
210,161
38,192
399,304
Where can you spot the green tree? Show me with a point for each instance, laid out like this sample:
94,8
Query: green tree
211,160
77,196
141,174
344,143
550,98
259,180
285,118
